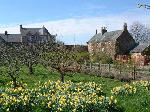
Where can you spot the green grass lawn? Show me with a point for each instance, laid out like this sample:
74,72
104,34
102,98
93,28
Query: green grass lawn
138,102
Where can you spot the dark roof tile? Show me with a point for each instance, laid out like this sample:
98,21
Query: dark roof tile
140,48
108,36
11,37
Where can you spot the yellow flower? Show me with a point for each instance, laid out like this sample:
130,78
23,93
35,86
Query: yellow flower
54,106
6,103
32,104
134,90
43,103
25,98
24,103
60,109
71,103
16,90
49,103
110,102
7,109
74,110
82,106
1,100
112,97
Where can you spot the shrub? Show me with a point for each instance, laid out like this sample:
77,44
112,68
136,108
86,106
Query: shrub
108,75
93,72
103,57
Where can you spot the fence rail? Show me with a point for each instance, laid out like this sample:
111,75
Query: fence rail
134,71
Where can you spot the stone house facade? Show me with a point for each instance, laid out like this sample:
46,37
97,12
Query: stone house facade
119,45
28,35
141,54
113,43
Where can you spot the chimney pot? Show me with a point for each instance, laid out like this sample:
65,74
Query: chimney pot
20,26
103,30
6,32
96,31
125,26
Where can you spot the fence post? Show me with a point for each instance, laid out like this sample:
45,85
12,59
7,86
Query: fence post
99,67
90,65
120,69
134,72
109,67
85,64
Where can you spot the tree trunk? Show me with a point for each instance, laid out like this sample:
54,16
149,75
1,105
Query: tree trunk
14,80
31,69
62,77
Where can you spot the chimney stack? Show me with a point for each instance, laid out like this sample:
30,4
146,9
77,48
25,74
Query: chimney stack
125,26
96,31
20,26
6,32
103,30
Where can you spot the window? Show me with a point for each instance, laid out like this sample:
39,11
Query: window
36,38
44,39
29,38
48,38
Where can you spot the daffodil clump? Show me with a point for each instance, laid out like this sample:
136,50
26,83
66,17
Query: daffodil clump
145,84
125,89
54,96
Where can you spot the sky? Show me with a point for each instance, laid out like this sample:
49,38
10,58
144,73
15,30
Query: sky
74,21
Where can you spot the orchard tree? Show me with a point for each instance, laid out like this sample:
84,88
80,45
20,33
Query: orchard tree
60,59
11,59
31,55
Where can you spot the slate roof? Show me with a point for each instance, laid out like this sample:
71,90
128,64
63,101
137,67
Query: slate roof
33,31
40,31
23,32
11,37
140,48
107,36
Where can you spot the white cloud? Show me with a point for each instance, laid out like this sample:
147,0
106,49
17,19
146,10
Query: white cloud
84,28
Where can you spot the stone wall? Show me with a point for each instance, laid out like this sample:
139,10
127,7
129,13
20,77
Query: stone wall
123,58
77,48
140,59
90,48
103,47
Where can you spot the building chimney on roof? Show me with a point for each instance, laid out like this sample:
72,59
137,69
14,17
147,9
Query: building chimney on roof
6,32
103,30
96,31
125,26
20,26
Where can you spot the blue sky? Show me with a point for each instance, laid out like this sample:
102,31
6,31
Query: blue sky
74,21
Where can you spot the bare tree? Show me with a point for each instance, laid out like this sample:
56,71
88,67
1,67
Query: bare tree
14,56
144,5
139,31
31,55
59,59
11,59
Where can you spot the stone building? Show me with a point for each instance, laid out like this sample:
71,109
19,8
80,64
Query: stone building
119,45
28,35
113,43
141,54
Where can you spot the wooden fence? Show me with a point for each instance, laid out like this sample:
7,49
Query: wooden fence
133,70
